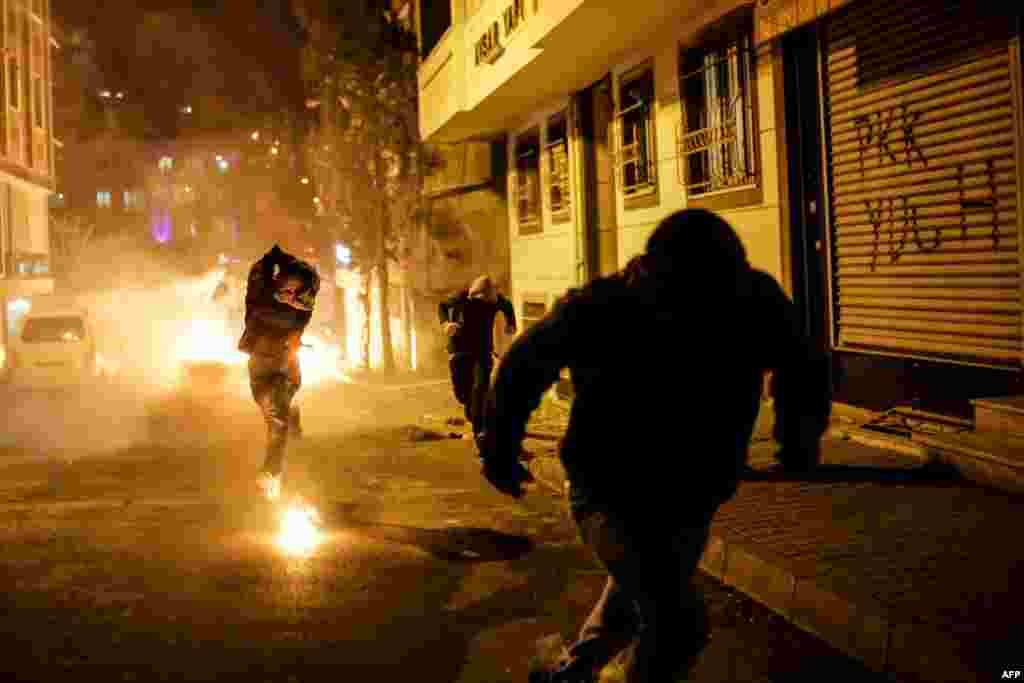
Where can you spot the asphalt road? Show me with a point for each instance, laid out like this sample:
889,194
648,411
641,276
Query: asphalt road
154,559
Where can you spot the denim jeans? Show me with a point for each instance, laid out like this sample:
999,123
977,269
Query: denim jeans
274,383
649,597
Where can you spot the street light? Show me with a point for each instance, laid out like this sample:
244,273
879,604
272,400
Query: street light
273,150
255,135
305,181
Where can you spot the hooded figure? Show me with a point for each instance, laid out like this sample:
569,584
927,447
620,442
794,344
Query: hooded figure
468,321
667,359
279,301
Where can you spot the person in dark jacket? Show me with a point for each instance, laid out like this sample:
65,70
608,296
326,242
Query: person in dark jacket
468,321
279,299
667,358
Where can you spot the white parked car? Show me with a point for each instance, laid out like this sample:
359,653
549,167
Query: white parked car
53,349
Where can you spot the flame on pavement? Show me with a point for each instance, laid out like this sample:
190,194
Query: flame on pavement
299,531
209,339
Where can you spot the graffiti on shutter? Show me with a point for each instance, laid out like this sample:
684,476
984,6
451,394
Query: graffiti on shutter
924,253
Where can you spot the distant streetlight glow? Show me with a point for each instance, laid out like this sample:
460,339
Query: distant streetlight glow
222,164
255,135
104,93
343,254
305,181
187,109
220,158
188,189
120,95
316,200
273,150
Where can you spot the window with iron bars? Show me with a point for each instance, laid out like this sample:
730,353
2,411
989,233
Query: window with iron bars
527,179
716,142
635,138
534,310
557,153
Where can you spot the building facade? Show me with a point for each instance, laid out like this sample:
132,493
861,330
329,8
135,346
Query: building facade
867,153
26,156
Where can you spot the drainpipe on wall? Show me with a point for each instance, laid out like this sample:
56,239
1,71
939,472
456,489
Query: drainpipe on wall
580,253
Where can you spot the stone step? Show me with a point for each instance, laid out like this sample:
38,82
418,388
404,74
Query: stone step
990,458
1003,415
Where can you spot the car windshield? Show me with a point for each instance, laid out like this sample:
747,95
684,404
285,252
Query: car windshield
53,329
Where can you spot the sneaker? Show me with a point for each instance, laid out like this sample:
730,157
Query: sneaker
270,485
552,663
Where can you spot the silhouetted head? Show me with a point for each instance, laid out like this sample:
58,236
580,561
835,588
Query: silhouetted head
483,288
695,245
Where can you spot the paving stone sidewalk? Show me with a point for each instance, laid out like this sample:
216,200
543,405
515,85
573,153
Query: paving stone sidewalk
916,572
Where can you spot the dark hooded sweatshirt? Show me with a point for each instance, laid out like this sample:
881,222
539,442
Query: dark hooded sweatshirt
273,330
668,380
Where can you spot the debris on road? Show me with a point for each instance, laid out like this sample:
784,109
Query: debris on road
419,434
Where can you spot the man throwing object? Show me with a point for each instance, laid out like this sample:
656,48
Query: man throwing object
278,306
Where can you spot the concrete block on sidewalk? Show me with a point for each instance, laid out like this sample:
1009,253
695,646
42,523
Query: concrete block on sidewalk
767,583
860,631
713,560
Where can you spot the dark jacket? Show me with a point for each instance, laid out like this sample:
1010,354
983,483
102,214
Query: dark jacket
273,330
668,381
476,320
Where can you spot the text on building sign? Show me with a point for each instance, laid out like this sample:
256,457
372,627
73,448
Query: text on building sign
489,46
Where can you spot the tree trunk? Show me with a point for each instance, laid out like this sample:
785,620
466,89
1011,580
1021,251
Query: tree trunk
387,351
366,284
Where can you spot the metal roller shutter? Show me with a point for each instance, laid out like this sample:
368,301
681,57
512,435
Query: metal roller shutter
923,172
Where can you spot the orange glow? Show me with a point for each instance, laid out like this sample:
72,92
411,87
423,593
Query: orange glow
320,361
209,337
299,529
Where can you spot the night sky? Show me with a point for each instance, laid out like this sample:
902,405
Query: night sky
239,56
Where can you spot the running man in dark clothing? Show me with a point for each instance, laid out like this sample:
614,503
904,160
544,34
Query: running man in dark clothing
468,321
678,343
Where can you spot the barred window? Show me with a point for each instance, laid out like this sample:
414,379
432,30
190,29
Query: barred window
557,153
133,200
716,145
533,312
635,118
527,195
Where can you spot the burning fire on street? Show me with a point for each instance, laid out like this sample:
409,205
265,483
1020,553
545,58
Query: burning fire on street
299,533
209,338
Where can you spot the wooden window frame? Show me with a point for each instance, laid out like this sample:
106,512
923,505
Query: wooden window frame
645,193
534,225
554,178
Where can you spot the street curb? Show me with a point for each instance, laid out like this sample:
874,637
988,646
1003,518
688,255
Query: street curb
860,628
856,625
